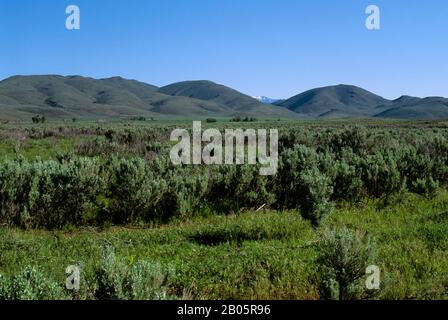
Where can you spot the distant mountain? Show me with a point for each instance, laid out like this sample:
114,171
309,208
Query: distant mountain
346,101
266,100
54,96
335,101
406,107
60,97
239,103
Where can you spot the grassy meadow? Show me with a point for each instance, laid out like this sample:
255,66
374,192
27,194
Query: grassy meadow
102,196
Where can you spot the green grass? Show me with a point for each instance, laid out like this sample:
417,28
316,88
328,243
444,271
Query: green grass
254,255
46,148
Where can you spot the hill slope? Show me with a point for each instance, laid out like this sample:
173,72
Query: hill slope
239,103
430,108
335,101
54,96
60,97
345,101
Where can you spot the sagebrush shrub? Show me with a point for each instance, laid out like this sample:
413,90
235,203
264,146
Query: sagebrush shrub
411,164
50,193
29,284
381,176
427,187
438,152
143,281
134,192
128,178
355,138
148,281
314,191
293,162
186,192
346,181
300,184
344,256
64,193
236,187
16,181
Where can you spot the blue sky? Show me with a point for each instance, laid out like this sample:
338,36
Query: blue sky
276,48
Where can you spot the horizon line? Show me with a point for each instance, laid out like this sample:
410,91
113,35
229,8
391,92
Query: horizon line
228,86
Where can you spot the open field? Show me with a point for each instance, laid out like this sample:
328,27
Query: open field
263,255
104,197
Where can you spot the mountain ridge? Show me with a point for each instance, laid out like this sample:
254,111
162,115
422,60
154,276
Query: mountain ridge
343,100
56,96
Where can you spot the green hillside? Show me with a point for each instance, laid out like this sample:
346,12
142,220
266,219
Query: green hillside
53,96
346,101
239,103
59,97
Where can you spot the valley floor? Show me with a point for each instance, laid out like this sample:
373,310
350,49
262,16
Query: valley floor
252,255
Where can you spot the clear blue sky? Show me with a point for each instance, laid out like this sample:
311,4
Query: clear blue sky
276,48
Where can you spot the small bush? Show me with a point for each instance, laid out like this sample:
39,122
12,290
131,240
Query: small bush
186,192
314,191
38,119
346,181
16,182
135,193
237,187
49,194
354,138
154,147
64,193
29,284
143,281
427,187
344,256
381,175
293,162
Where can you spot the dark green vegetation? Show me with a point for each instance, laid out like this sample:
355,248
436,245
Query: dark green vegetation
76,97
105,196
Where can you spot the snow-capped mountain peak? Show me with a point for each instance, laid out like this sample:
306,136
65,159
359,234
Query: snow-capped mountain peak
266,100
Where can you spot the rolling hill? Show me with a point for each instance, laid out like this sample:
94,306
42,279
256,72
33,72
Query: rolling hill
239,103
54,96
346,101
405,107
335,101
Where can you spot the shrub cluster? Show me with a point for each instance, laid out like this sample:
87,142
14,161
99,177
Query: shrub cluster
112,278
49,193
145,280
82,191
316,171
29,284
354,163
344,256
